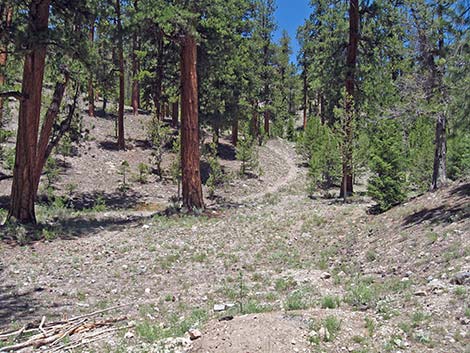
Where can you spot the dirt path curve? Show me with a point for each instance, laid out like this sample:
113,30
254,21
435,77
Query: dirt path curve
285,151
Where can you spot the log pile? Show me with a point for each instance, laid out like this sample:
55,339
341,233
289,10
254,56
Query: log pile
62,336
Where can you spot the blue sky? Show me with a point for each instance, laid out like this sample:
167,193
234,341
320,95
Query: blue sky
290,14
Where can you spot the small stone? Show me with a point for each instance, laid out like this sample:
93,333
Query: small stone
219,307
420,293
461,278
325,275
147,290
405,279
194,334
129,335
324,334
145,226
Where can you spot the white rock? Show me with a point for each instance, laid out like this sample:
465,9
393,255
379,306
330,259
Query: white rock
194,334
219,307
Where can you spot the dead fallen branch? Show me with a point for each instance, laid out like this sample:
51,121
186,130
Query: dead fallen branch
77,331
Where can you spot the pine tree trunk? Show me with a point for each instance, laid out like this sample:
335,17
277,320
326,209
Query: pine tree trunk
346,182
254,121
439,175
23,190
159,76
46,129
120,121
266,122
91,91
6,18
135,70
190,158
175,114
235,130
305,94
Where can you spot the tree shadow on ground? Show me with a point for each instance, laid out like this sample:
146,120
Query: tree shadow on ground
443,214
117,200
461,190
226,152
16,306
108,145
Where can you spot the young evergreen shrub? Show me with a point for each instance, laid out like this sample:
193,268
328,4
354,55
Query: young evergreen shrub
458,156
246,153
387,183
159,135
421,153
320,145
216,175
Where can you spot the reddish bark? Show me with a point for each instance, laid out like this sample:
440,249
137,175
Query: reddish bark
23,191
175,114
120,121
135,69
235,131
266,122
190,157
91,91
347,179
6,17
46,129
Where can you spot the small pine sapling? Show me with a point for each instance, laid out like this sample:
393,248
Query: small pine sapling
124,171
246,153
159,135
143,170
216,175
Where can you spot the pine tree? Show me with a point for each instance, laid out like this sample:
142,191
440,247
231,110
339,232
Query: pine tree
387,182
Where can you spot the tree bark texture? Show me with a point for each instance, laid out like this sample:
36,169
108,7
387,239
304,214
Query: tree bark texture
175,114
120,120
135,69
190,157
6,16
91,91
23,190
347,180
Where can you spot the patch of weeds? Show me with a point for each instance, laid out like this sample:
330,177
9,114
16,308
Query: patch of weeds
296,301
285,284
370,326
418,318
467,312
422,337
271,296
362,293
359,339
271,199
99,205
384,309
432,238
395,341
311,222
371,255
405,327
167,261
330,302
199,257
460,291
333,325
253,307
290,258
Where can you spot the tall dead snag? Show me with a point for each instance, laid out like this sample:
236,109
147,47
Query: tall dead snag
135,69
120,119
6,15
91,91
347,153
23,190
190,157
